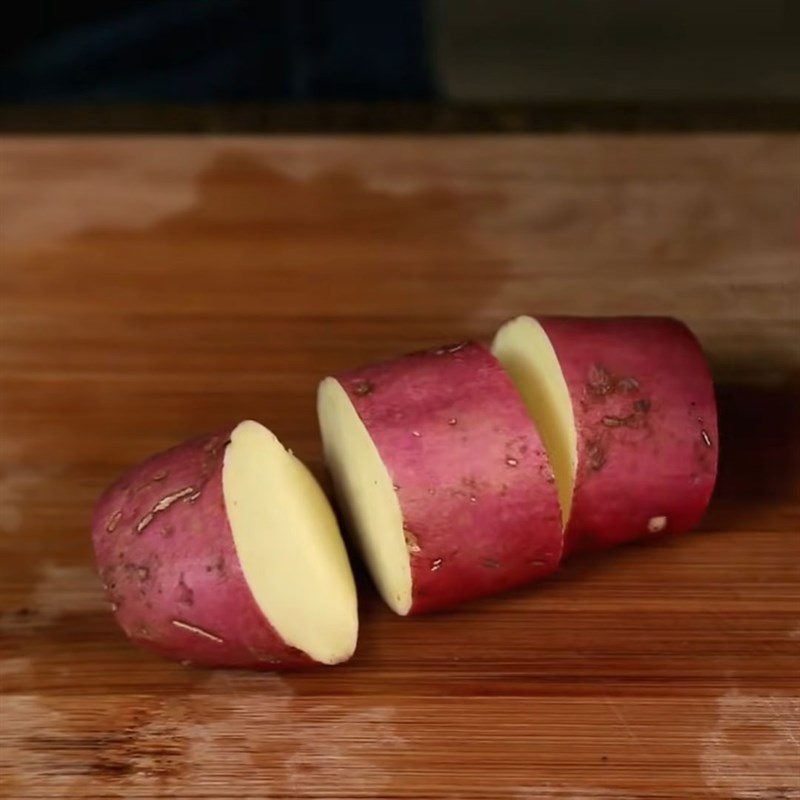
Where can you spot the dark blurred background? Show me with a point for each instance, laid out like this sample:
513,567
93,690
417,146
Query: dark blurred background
400,64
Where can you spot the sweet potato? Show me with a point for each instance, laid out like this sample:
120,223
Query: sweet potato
442,476
223,551
626,409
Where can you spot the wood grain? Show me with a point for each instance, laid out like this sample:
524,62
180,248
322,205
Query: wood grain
153,288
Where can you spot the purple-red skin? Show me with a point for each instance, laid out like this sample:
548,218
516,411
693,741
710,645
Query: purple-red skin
475,487
166,556
646,419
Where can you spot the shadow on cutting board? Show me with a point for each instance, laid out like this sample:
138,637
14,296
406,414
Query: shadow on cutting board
759,469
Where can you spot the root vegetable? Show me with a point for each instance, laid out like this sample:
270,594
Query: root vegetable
626,409
442,476
224,551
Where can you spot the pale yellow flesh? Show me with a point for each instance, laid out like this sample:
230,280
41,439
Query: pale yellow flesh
365,489
526,353
289,546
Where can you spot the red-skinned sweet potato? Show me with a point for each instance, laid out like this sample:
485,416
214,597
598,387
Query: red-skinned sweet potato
626,409
442,476
223,551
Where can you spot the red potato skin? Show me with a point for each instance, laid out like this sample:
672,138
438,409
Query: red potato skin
475,487
166,556
646,419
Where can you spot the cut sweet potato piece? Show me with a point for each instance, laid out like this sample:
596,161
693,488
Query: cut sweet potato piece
625,407
442,476
224,551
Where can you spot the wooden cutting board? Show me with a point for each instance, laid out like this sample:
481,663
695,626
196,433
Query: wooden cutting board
153,288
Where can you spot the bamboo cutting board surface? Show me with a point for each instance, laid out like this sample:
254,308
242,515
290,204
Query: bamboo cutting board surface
153,288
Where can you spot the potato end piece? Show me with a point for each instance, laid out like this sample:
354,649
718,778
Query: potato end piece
366,495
